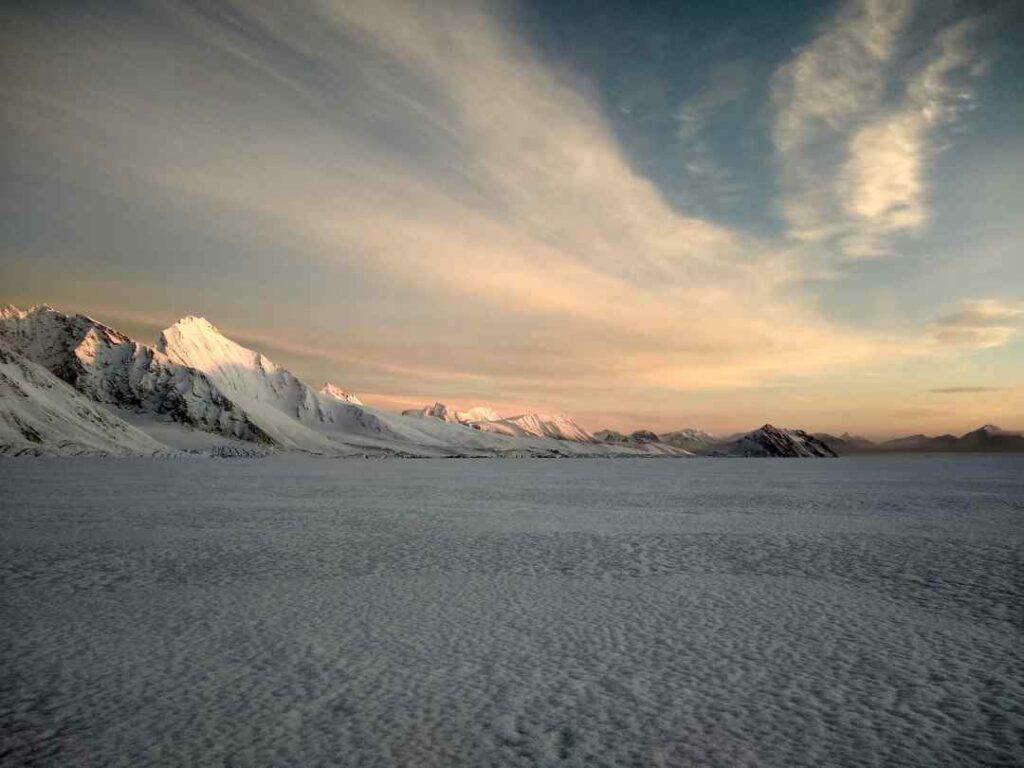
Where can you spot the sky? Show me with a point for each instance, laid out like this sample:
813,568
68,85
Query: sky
648,215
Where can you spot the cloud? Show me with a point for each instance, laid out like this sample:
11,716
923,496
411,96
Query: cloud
428,145
855,122
980,324
965,390
697,118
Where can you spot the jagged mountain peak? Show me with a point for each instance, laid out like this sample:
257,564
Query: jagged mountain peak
197,322
771,441
989,429
197,342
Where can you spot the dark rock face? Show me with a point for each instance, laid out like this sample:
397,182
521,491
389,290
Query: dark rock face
644,436
609,436
772,442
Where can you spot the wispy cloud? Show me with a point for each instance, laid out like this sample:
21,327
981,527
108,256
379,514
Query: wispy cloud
428,144
965,390
980,323
450,212
697,118
856,121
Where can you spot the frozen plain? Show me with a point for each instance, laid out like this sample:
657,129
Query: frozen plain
608,612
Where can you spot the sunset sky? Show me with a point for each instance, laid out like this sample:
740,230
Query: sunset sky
660,215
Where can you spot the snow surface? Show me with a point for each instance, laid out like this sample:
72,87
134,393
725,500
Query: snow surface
296,611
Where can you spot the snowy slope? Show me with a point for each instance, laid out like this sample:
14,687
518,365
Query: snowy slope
435,411
333,390
558,427
110,368
297,416
41,415
444,413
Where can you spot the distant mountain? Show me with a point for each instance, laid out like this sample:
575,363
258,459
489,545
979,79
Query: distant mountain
558,427
694,440
609,436
74,385
768,441
920,444
986,439
444,413
42,415
846,444
990,438
639,436
771,441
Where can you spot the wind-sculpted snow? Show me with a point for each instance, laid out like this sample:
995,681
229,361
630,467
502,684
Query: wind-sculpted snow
297,611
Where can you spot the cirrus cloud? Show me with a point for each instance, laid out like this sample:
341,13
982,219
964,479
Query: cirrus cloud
855,121
980,323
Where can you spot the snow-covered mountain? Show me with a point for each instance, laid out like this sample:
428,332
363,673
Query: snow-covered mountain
71,384
41,415
110,368
771,441
286,409
198,390
333,390
296,416
558,427
444,413
694,440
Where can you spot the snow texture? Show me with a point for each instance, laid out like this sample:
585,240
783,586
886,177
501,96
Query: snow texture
296,611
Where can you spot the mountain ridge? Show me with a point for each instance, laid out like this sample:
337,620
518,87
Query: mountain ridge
196,381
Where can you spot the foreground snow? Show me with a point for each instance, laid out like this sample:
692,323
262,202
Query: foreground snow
299,611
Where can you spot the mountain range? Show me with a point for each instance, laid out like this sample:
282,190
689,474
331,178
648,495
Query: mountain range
986,439
71,385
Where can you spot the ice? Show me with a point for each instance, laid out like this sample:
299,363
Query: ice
296,611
